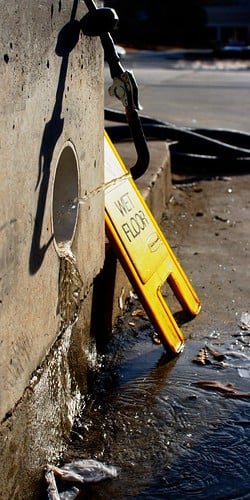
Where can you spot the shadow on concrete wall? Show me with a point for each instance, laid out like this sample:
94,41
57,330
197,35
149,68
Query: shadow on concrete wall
67,40
103,300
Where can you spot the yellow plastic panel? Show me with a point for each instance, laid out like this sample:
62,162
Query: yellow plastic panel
143,250
136,229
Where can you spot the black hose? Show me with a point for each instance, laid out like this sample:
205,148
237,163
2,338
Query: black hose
193,148
141,147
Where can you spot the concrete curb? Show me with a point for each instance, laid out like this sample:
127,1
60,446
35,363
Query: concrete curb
155,184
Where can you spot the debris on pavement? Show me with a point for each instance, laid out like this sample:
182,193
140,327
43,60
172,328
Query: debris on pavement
78,471
140,313
245,321
209,356
227,389
155,338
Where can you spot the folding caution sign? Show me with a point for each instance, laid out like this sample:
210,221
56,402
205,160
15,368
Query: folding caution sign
143,250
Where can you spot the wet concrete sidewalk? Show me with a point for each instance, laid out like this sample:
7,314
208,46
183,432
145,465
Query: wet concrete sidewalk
179,428
207,223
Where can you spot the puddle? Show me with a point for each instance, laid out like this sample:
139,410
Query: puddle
168,437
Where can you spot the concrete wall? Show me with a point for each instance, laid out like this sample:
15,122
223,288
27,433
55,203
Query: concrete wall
51,96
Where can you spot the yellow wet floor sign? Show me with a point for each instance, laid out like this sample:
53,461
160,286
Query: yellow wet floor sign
143,250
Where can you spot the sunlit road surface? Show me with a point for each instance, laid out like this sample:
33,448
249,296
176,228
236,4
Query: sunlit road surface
213,94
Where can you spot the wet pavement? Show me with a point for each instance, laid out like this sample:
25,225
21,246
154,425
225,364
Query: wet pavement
180,428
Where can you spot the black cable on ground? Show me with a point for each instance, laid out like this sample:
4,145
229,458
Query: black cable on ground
199,150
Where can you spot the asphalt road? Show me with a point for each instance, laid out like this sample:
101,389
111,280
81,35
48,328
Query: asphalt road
213,94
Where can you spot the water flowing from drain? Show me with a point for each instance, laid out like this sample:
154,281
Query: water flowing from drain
70,287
